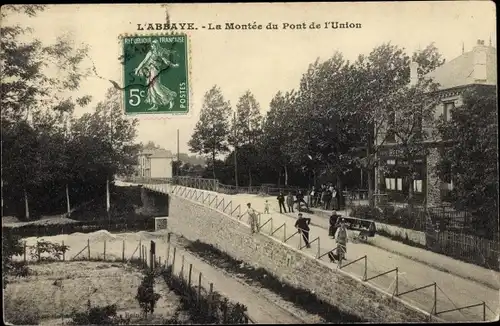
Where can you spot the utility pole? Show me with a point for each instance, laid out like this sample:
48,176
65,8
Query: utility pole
178,157
235,152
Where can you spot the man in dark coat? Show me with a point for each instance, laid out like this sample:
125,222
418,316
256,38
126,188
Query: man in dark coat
300,199
281,202
302,224
333,224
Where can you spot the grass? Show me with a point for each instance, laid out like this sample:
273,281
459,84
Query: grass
54,290
304,299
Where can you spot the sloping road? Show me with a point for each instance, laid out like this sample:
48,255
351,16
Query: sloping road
451,291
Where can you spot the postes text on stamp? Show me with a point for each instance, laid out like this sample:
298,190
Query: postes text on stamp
156,74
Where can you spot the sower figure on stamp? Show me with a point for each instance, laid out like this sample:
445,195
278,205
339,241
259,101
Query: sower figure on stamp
150,67
252,219
281,202
302,224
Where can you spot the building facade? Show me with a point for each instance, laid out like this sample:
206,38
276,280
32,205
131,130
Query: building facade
476,67
155,164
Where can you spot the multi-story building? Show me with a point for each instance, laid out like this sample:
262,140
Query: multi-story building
473,68
155,164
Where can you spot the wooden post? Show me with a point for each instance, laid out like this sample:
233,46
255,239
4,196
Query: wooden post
88,249
24,251
159,261
199,288
181,274
123,251
189,276
366,269
104,253
224,312
38,250
284,233
168,253
173,260
64,252
210,297
140,250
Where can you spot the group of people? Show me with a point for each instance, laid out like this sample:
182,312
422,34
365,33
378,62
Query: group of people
337,229
290,201
326,197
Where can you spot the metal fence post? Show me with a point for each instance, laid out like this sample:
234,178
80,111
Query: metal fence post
63,251
397,280
365,275
435,299
88,248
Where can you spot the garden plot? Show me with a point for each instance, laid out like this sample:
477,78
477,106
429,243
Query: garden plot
54,290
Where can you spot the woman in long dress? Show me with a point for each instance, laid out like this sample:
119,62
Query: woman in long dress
150,67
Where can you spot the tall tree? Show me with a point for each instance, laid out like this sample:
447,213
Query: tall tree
247,127
376,77
470,159
275,135
325,130
34,104
210,135
428,59
412,107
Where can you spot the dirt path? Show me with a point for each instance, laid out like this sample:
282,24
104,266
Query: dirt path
260,309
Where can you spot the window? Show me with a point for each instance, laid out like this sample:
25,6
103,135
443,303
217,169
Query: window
390,183
400,184
447,108
391,162
417,185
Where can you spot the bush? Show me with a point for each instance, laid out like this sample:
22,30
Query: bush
19,312
47,251
99,316
12,246
146,295
214,309
367,212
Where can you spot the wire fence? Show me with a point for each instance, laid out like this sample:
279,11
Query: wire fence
357,267
121,248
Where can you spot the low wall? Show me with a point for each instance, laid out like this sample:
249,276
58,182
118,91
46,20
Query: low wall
197,222
415,236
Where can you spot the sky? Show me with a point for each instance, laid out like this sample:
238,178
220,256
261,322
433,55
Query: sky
262,61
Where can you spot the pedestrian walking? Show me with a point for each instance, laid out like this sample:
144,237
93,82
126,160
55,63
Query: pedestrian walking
300,199
302,225
342,240
310,197
289,202
335,202
266,207
328,199
252,218
281,202
334,224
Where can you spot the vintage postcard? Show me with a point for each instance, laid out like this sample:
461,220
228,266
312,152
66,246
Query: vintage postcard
249,163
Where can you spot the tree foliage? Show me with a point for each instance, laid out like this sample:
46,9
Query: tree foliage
211,132
470,160
44,145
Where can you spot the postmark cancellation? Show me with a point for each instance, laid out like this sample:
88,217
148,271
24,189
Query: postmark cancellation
155,74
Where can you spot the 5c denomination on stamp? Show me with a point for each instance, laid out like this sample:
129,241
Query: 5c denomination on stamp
156,72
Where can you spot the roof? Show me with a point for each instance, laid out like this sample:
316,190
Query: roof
157,153
460,71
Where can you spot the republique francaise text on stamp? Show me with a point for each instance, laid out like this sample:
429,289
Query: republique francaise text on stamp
155,72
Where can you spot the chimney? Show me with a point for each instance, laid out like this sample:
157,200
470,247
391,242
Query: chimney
413,73
479,52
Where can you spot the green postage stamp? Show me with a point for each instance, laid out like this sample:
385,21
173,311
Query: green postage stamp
156,71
